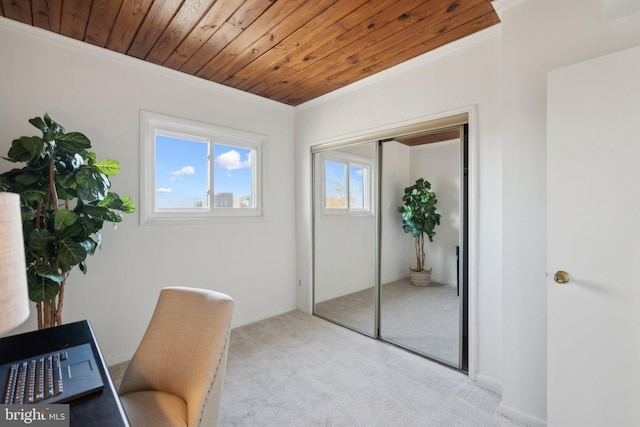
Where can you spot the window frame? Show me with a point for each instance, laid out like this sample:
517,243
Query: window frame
152,124
348,160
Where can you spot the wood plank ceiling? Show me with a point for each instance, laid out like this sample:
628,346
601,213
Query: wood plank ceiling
289,51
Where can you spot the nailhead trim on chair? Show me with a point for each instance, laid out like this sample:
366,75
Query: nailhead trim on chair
215,374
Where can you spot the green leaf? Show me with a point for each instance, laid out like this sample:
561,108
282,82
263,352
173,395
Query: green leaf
127,204
104,214
25,149
89,245
73,231
68,163
114,201
41,240
49,272
72,142
54,128
27,179
71,253
108,167
64,218
419,210
91,224
92,184
41,288
40,124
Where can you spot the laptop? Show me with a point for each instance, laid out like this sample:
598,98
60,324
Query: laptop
56,377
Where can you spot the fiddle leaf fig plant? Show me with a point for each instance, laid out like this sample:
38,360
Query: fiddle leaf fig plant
419,216
65,200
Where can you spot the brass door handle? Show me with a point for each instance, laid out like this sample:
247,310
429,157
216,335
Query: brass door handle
561,277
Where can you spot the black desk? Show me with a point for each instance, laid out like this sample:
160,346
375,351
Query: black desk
100,409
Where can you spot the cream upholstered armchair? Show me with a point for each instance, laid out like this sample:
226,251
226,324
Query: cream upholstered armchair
176,375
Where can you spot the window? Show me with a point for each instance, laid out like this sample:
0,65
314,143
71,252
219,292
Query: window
346,181
194,171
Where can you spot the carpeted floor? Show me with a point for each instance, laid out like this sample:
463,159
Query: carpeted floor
300,370
422,319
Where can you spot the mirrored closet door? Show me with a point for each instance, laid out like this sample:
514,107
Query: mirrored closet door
363,257
422,311
345,236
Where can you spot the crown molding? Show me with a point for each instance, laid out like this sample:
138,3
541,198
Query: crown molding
500,6
97,51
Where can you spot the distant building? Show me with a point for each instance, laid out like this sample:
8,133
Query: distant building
242,202
223,200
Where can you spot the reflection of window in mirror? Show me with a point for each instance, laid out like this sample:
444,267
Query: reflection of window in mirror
346,184
335,184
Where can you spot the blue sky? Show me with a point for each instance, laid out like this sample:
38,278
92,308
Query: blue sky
335,180
181,171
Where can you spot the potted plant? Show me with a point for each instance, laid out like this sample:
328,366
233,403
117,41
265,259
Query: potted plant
64,200
419,218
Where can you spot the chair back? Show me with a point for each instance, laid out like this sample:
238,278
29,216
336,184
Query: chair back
184,351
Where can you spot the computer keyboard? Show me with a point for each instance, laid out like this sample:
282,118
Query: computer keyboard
35,380
55,377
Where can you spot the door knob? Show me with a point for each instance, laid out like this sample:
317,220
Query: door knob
561,277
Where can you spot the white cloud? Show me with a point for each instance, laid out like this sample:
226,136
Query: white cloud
187,170
164,190
231,160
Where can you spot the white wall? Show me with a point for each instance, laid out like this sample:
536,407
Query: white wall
428,86
573,30
397,251
99,93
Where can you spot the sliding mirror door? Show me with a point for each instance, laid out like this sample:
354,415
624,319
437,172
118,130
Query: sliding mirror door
424,319
345,236
362,257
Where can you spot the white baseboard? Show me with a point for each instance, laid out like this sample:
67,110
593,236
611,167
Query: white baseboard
118,359
489,382
522,417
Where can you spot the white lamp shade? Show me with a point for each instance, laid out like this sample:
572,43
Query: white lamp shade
14,297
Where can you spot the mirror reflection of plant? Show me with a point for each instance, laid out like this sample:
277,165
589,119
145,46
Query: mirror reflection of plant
65,200
419,216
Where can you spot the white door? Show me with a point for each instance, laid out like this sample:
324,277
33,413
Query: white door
593,195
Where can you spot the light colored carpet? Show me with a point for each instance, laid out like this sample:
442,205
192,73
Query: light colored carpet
422,319
300,370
